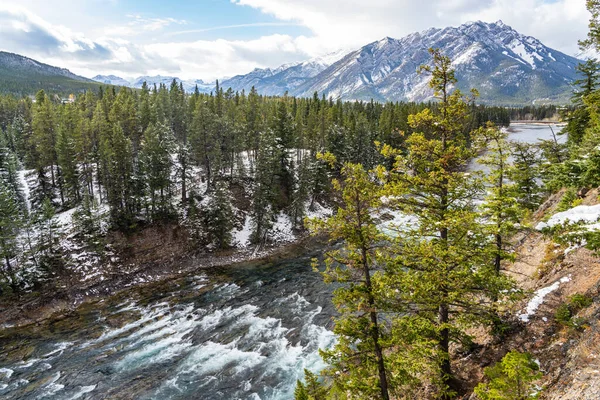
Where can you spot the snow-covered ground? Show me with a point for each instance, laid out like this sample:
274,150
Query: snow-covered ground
241,237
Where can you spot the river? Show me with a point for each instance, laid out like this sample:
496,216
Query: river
244,332
240,332
528,133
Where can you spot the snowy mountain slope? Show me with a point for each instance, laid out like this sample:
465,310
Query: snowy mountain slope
504,65
111,80
282,79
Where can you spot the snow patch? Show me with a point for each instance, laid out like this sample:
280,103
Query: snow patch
242,237
519,49
577,214
282,229
538,298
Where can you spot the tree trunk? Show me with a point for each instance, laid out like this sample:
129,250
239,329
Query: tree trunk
498,257
444,347
383,384
183,182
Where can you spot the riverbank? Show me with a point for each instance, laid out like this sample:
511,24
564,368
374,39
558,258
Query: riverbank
52,302
534,122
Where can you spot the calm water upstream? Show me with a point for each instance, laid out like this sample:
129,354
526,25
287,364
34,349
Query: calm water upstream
528,133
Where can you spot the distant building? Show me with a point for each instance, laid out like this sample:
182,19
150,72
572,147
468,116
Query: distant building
68,100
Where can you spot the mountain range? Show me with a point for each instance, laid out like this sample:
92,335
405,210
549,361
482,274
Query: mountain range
506,67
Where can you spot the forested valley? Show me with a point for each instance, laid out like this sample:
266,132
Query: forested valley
125,159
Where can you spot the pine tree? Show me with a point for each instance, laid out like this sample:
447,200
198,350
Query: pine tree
145,116
264,194
69,126
100,131
284,176
300,392
9,175
524,173
157,166
441,267
116,156
205,142
44,140
579,118
511,379
301,194
50,258
253,123
311,390
500,209
593,36
357,361
219,217
10,219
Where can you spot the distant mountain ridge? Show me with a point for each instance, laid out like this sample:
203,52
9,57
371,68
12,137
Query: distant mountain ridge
22,75
188,85
286,78
505,66
26,64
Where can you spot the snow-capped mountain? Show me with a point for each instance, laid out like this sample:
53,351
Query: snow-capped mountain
111,80
286,78
505,66
188,85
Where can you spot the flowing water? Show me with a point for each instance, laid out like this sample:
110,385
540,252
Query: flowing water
244,332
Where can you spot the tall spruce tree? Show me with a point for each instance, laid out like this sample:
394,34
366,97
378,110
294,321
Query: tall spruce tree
441,270
500,209
44,140
10,219
524,173
69,127
157,166
357,361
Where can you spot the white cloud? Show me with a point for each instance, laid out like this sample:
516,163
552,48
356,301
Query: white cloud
557,23
25,33
219,58
140,45
139,25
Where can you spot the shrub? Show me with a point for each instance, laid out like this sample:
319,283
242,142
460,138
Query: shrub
511,379
565,312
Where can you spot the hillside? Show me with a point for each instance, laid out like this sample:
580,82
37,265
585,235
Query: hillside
21,75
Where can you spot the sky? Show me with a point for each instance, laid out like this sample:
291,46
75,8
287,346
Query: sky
210,39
